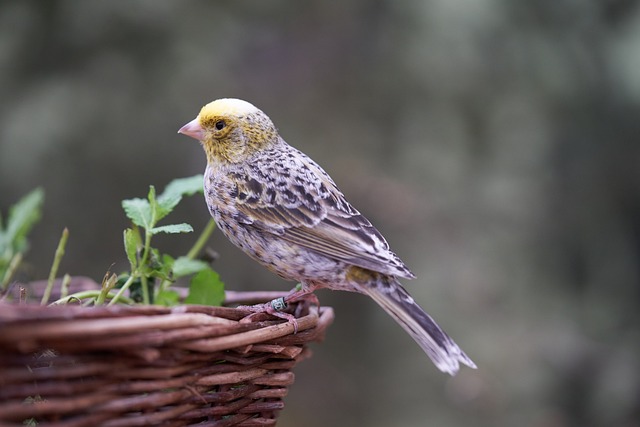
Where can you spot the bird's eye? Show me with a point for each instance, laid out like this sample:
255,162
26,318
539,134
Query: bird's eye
220,124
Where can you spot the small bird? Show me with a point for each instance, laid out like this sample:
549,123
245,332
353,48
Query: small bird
283,210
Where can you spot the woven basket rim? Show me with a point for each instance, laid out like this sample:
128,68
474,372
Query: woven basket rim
126,365
39,325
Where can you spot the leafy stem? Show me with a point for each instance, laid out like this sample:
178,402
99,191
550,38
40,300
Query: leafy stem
153,266
143,261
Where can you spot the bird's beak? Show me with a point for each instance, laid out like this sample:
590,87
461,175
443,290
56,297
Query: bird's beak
193,129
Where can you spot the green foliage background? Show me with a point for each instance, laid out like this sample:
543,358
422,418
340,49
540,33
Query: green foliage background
494,143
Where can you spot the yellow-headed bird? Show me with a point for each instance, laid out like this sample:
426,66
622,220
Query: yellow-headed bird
282,209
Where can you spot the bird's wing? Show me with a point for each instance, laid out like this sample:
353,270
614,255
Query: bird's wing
303,205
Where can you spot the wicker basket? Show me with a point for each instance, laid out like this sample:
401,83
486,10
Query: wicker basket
148,365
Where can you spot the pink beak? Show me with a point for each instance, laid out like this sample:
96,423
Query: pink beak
193,129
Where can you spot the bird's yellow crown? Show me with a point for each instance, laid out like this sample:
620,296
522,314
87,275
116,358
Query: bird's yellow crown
228,107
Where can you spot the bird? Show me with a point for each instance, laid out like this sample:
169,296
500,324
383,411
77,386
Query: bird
283,210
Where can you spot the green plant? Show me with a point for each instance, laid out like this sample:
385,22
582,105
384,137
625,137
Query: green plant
13,236
152,272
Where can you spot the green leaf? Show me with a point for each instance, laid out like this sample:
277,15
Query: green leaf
172,228
174,191
168,298
184,266
147,213
22,217
139,212
132,242
206,288
184,186
164,206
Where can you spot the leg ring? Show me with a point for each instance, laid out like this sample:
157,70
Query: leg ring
279,304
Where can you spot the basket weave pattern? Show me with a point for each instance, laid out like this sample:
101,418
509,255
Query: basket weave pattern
148,365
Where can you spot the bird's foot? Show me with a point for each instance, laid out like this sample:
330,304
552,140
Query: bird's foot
275,308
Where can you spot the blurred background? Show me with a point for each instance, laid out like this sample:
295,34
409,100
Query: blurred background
494,144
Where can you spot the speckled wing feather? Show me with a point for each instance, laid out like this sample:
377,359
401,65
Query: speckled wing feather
304,206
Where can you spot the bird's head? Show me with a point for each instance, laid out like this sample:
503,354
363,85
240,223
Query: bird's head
231,130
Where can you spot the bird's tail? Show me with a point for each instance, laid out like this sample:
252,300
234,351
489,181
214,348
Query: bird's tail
396,301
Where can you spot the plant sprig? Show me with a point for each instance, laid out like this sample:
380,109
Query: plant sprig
151,273
148,265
